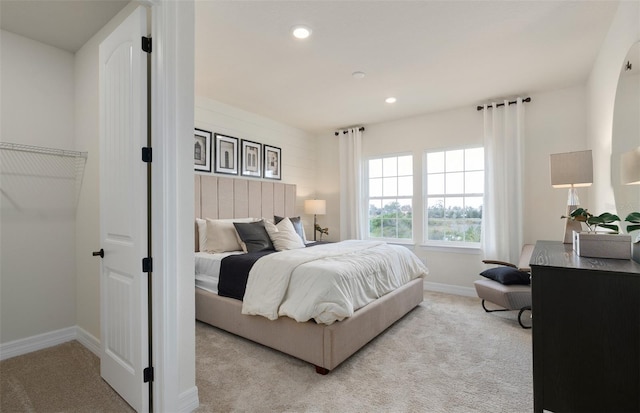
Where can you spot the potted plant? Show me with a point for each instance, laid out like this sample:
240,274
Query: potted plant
603,220
321,230
598,244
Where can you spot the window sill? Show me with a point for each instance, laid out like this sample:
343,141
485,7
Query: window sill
454,249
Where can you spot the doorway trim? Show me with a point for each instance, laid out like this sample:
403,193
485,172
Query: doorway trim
172,111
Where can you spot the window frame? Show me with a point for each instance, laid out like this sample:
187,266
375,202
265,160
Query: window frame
367,195
461,245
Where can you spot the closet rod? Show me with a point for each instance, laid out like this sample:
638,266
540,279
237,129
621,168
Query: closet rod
42,150
528,99
361,129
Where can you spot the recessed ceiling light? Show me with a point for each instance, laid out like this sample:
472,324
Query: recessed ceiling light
390,100
358,75
301,32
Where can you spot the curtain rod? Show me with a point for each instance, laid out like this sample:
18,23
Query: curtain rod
528,99
361,129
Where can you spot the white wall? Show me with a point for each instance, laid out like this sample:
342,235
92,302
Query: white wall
298,147
37,273
554,122
328,182
601,91
88,214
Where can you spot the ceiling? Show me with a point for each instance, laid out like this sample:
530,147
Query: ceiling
65,24
430,55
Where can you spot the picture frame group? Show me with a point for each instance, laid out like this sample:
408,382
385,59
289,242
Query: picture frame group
233,156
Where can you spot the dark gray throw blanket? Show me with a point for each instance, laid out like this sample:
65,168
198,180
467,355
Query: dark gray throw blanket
234,272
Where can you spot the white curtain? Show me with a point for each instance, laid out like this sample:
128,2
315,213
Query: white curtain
351,215
502,233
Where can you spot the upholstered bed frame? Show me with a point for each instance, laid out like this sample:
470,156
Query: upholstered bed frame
325,346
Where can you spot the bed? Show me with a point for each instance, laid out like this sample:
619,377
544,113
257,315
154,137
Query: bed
323,345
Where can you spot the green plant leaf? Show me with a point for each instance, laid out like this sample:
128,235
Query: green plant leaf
610,226
595,220
632,228
608,217
579,212
633,217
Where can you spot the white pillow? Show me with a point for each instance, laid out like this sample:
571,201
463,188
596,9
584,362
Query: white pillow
284,235
222,236
202,234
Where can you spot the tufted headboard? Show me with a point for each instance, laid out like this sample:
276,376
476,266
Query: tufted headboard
219,197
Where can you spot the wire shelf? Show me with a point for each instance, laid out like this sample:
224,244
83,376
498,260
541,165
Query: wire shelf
35,178
41,150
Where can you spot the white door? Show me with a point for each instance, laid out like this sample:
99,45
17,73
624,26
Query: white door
123,210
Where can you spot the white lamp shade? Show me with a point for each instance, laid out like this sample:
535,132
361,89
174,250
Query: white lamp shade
315,206
630,167
571,169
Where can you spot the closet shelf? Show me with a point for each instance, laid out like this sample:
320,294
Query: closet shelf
41,150
40,181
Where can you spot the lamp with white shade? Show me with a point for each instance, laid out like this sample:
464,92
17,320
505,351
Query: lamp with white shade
315,207
571,170
630,167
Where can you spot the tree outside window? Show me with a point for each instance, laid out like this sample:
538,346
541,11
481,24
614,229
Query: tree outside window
390,190
454,196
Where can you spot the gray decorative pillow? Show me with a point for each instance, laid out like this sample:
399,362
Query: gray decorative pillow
283,235
297,225
253,236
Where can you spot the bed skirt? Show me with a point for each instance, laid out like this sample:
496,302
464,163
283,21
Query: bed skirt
325,346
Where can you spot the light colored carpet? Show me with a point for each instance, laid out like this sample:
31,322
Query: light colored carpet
64,378
447,355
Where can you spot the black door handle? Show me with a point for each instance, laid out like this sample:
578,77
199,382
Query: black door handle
98,253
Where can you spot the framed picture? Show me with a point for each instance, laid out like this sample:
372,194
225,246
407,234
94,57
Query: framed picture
251,158
202,150
272,162
226,154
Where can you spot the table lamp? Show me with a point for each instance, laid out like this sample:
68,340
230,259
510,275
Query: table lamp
315,207
571,170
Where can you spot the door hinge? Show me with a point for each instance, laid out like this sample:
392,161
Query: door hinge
147,264
147,154
147,374
146,44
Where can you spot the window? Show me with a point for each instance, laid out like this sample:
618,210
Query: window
453,197
390,190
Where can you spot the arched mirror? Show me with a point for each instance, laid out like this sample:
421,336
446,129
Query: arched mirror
626,130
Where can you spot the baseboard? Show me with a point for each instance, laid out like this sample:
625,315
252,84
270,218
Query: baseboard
450,289
188,400
38,342
50,339
88,340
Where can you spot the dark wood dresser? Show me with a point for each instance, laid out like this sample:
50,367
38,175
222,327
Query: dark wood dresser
586,331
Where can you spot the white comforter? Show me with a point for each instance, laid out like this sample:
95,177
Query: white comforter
327,282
